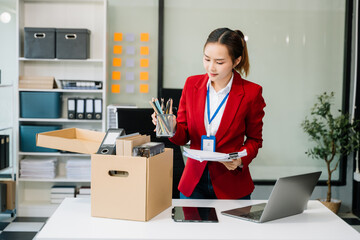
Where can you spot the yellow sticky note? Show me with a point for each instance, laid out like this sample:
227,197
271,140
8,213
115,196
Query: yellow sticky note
144,75
115,88
118,37
144,88
117,62
144,62
144,50
144,37
117,49
116,75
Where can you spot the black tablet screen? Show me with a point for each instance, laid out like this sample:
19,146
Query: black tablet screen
194,214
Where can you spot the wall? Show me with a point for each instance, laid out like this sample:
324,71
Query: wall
296,53
131,19
7,62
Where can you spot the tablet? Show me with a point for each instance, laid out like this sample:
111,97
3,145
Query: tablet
194,214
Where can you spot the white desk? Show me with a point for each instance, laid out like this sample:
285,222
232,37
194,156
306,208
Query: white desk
72,220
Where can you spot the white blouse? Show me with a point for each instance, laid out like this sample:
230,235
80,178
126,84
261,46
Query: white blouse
215,100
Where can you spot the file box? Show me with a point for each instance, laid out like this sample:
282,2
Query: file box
28,137
122,187
72,43
39,42
40,104
10,194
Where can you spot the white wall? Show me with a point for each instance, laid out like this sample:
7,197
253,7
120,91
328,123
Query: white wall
7,62
296,51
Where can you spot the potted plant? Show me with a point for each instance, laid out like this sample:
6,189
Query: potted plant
334,137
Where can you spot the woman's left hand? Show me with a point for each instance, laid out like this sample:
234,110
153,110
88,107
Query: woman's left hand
233,164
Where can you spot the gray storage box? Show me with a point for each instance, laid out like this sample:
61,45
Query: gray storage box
72,43
39,42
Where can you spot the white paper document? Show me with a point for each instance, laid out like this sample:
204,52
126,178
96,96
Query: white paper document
212,156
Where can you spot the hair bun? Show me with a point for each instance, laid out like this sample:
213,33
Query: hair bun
240,33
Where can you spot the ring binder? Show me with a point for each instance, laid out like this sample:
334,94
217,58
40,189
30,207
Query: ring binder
80,108
71,108
89,106
98,108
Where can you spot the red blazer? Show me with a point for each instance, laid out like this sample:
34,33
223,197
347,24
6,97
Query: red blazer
242,118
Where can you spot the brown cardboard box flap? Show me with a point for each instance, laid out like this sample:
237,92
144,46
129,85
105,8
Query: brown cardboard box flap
129,144
71,139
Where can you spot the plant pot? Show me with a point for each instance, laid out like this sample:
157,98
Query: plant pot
333,205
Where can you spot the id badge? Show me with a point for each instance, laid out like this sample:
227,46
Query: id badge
208,143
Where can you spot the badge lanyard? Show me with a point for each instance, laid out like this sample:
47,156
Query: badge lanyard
208,142
216,112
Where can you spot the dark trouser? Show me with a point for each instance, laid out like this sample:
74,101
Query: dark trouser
204,189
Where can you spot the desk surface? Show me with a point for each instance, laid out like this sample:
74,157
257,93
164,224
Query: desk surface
72,220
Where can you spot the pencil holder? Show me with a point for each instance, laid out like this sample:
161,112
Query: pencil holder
165,125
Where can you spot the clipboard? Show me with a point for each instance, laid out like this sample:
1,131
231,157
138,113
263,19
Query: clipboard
194,214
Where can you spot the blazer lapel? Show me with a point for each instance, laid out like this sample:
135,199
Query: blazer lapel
235,97
199,99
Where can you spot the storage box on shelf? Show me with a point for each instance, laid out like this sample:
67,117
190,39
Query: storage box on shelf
40,104
81,56
39,42
72,43
28,137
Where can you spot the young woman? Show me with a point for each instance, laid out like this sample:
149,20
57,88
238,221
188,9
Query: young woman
220,111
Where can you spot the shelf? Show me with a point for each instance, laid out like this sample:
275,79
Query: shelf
61,60
61,90
66,1
59,120
33,198
5,178
57,179
5,85
56,154
36,208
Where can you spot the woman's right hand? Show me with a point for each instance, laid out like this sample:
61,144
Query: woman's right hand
154,121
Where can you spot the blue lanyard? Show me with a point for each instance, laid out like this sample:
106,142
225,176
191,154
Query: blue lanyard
217,110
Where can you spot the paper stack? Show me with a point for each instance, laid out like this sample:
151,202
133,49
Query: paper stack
84,192
59,193
38,168
78,169
212,156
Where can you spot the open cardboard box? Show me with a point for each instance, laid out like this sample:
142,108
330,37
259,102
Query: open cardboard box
122,187
71,139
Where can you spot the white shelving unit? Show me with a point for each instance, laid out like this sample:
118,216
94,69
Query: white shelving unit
33,194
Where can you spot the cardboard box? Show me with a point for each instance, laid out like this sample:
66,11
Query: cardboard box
10,194
132,188
124,146
122,187
71,139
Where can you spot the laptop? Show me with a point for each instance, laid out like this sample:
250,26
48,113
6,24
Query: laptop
288,197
